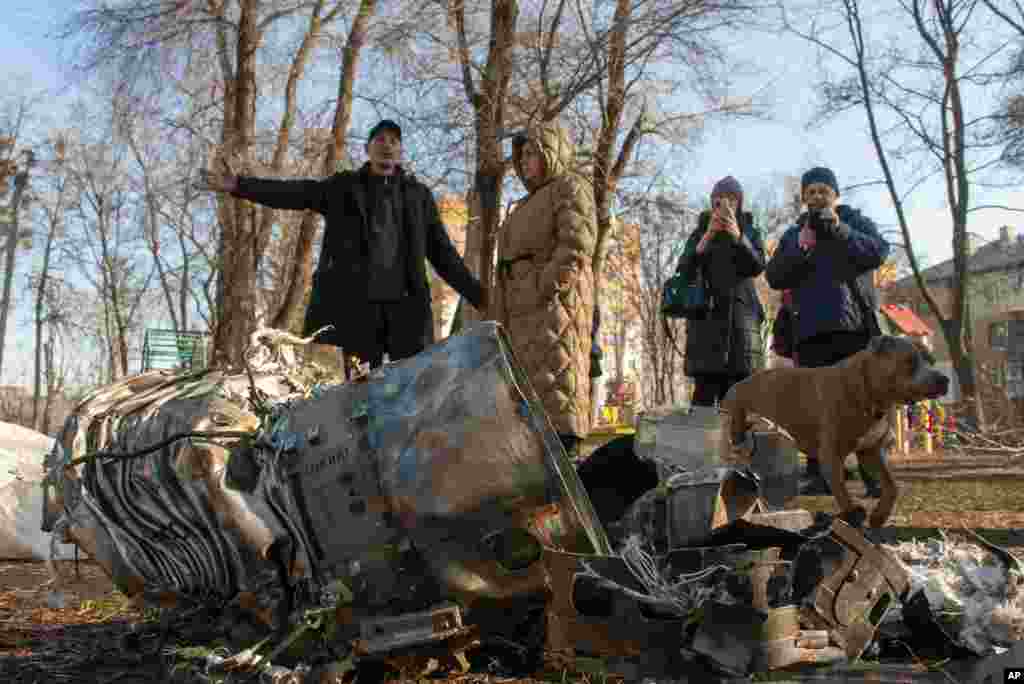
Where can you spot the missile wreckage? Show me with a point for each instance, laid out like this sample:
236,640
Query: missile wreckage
427,511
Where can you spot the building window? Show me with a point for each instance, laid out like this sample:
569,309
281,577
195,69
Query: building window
999,335
1015,379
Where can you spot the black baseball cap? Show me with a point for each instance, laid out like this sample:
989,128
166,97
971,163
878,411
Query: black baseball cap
384,125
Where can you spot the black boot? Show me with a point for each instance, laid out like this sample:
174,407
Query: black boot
811,482
872,490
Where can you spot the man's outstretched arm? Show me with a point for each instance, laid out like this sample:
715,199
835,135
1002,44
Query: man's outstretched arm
270,192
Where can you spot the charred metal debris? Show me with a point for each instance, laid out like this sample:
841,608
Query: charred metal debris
425,518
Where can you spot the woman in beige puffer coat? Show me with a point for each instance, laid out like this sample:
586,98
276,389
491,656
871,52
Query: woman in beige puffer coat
545,282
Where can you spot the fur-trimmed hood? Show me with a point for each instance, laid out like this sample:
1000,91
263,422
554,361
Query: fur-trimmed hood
555,146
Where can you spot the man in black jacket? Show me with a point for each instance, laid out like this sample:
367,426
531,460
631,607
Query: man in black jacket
382,226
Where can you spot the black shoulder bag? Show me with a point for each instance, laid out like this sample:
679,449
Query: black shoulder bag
685,294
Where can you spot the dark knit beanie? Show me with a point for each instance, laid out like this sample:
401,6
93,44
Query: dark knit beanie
820,174
729,185
384,125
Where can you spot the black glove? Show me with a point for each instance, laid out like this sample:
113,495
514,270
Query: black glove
826,225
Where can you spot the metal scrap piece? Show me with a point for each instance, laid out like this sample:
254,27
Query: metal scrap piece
700,501
383,634
729,635
852,599
437,478
739,639
758,577
586,618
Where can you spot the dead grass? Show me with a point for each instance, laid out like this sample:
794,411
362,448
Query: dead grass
977,503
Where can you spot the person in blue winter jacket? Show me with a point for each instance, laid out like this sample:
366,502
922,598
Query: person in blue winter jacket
827,259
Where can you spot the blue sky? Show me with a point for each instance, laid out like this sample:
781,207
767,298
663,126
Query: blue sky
758,153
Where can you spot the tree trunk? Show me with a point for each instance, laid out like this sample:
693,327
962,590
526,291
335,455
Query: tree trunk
183,289
490,117
290,314
153,240
10,254
284,132
488,101
611,119
44,275
53,387
239,260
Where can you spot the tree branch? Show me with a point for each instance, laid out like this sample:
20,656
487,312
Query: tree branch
1001,207
457,13
1018,26
636,132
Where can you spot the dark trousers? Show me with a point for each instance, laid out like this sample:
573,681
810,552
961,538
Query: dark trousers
395,331
709,390
829,349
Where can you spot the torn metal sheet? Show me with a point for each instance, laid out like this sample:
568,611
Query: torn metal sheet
700,501
689,507
438,478
740,640
595,610
760,578
776,460
847,584
792,520
166,524
729,635
609,607
680,438
384,634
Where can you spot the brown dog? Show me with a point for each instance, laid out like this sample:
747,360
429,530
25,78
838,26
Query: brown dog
842,408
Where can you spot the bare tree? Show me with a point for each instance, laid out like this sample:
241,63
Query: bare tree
486,88
107,238
181,210
52,207
1009,124
640,35
16,163
621,296
596,68
300,275
665,219
140,36
915,96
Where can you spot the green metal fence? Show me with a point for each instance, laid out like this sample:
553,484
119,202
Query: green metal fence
170,349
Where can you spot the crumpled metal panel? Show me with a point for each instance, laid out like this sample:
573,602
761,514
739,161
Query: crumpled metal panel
463,462
443,466
700,501
754,577
587,617
690,506
739,640
846,584
165,524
